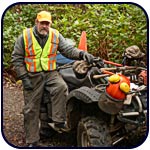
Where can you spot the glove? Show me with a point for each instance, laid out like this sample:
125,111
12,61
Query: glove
26,83
86,57
100,63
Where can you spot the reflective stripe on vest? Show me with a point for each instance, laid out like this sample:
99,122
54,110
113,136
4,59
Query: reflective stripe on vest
36,58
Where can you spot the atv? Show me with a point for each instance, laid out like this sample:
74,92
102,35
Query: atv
99,112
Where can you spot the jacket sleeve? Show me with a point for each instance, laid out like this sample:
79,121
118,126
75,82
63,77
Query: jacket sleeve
18,56
67,49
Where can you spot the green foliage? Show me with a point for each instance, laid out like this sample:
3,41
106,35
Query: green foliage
110,28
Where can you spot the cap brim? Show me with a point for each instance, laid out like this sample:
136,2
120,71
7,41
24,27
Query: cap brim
44,19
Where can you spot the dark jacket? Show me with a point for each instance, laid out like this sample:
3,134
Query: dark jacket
18,55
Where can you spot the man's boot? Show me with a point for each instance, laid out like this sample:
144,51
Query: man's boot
60,127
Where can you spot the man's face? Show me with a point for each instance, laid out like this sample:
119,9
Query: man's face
43,27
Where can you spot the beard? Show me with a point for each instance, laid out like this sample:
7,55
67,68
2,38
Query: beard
44,32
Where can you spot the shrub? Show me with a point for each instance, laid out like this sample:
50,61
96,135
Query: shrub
110,28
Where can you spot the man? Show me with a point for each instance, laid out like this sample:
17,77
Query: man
34,58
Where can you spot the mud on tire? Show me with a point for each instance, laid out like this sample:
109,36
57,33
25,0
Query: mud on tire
92,132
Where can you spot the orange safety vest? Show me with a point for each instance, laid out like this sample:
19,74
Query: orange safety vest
36,58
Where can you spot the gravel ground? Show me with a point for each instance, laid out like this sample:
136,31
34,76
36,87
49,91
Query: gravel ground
13,122
12,116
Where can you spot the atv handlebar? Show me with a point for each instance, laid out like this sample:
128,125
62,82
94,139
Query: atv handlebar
107,71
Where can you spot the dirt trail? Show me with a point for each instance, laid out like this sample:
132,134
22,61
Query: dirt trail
13,122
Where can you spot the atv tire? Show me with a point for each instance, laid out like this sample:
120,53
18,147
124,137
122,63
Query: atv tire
92,132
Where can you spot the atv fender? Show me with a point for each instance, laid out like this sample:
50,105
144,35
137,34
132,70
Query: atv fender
85,94
77,99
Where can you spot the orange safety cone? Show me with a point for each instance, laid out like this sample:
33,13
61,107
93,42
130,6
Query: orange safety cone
83,42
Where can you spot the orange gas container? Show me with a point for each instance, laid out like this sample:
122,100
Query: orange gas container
114,91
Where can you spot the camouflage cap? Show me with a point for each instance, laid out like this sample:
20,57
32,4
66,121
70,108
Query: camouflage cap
133,52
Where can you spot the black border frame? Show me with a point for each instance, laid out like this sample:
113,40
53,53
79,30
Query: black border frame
16,3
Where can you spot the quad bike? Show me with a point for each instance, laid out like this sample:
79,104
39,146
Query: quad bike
98,110
103,121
